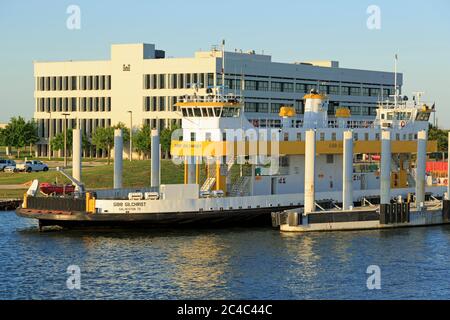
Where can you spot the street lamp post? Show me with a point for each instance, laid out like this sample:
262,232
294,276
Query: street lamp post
131,135
65,138
49,150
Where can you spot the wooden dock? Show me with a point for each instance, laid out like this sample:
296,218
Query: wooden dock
9,204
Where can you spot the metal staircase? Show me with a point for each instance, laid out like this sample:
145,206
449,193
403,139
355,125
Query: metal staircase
412,178
240,188
411,173
211,181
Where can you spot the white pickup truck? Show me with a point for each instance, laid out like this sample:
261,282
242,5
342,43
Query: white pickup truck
6,163
32,166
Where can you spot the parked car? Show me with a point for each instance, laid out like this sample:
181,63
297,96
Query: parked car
10,169
6,163
32,166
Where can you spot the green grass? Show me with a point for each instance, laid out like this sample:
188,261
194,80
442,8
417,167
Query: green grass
135,174
12,194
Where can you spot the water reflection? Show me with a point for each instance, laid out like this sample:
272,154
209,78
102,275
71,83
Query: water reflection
199,266
221,264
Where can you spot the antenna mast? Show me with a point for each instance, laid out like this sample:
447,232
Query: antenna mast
223,65
395,80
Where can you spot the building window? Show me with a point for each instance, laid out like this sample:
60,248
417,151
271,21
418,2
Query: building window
251,107
263,86
275,107
365,111
299,136
345,91
333,90
73,104
276,86
374,92
333,136
299,107
96,86
310,87
174,81
330,159
355,110
355,91
159,81
263,107
287,87
322,136
250,85
366,92
162,104
146,104
300,87
210,79
146,81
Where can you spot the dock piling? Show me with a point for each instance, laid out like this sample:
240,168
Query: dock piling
421,167
310,169
156,159
76,154
347,187
385,188
118,158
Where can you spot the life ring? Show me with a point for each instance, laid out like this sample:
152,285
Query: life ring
403,124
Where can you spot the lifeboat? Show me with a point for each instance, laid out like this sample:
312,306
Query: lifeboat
49,188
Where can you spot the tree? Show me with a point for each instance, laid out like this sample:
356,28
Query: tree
31,134
58,141
3,137
441,136
19,133
142,140
166,139
103,138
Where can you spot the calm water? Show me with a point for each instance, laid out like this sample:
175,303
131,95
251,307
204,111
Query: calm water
222,264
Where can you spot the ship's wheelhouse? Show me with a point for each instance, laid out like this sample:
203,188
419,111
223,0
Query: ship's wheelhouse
197,111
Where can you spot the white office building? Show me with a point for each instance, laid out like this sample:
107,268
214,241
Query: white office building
139,85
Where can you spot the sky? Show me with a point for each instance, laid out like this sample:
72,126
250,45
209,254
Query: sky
289,30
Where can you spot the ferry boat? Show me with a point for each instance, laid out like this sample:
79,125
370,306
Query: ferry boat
252,170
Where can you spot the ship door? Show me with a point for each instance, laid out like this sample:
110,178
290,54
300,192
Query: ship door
273,187
363,182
